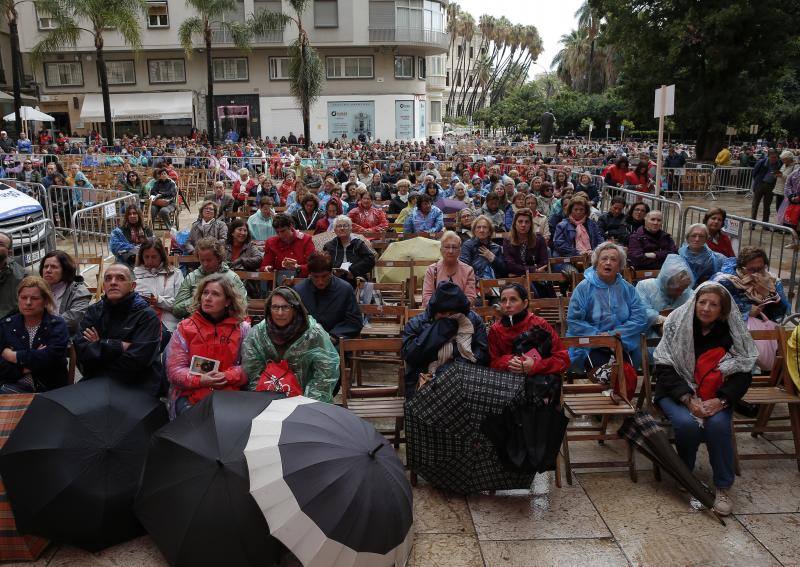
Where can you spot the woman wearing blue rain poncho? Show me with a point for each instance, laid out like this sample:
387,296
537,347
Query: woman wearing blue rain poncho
605,304
669,290
703,261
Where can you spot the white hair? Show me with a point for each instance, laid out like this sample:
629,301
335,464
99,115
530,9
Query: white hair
344,219
449,235
699,225
623,256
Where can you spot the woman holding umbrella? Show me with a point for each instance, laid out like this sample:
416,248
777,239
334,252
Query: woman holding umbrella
215,330
703,367
288,333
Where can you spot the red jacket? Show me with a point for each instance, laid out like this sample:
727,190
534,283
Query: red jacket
239,193
640,181
722,245
501,343
615,175
275,250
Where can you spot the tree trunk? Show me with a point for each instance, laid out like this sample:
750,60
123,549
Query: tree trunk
306,103
16,70
709,143
102,73
210,122
589,71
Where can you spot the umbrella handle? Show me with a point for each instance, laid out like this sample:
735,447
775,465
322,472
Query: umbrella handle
376,449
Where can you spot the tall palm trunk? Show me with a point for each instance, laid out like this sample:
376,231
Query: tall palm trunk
16,68
589,71
306,103
102,73
469,73
499,69
210,122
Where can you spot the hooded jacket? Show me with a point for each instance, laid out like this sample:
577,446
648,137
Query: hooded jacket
703,264
46,357
596,307
182,306
120,241
501,341
130,320
334,307
642,242
216,229
164,284
74,303
312,357
653,291
357,252
424,335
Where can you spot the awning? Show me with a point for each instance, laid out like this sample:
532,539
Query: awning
139,106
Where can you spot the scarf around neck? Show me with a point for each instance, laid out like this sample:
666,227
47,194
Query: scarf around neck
758,288
582,241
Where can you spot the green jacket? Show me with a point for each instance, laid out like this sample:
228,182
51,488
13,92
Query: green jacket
182,307
312,358
10,276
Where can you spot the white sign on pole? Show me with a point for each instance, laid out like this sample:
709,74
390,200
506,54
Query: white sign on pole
110,211
669,102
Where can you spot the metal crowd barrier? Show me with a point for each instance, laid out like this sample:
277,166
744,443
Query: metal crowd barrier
781,243
671,210
733,179
679,181
91,226
31,242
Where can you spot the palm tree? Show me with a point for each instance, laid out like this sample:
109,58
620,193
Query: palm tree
10,11
306,74
589,20
210,20
94,17
570,62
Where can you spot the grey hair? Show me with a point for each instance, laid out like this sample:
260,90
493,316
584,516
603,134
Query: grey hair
699,225
128,270
623,256
449,235
652,212
345,219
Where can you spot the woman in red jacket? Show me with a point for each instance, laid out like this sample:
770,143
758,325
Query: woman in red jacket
615,174
638,179
718,241
515,321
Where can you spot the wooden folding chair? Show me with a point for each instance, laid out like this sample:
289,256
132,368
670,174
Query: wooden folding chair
265,281
72,363
591,400
560,282
778,388
86,264
374,402
553,310
635,276
578,261
384,320
414,283
391,293
490,289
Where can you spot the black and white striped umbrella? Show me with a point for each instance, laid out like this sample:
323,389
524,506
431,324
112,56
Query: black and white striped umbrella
331,487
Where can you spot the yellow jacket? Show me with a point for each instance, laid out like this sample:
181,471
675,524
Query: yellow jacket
723,157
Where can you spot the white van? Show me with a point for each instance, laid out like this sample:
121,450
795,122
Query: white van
18,210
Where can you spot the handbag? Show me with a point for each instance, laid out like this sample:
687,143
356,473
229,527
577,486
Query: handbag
792,215
278,377
161,202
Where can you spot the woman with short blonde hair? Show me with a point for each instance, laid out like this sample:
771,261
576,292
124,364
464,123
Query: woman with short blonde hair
449,268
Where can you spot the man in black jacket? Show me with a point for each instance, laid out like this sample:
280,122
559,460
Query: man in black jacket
330,300
120,336
163,197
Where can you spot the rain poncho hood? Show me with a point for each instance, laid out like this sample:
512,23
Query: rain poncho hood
653,291
676,348
597,307
703,264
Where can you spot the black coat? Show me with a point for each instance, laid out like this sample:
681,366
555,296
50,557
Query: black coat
359,254
48,365
130,320
334,307
613,227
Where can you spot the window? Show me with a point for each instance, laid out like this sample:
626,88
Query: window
44,21
157,15
434,16
121,72
458,78
230,69
460,50
404,67
437,66
471,52
326,13
167,70
421,69
349,67
63,74
409,14
447,79
278,68
436,111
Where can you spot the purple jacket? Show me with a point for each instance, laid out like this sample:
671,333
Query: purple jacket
535,256
642,241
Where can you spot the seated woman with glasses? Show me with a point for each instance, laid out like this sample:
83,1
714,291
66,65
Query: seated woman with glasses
449,269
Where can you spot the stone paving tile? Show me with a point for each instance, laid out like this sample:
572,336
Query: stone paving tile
43,560
767,487
546,512
776,532
555,553
141,552
439,512
445,550
654,525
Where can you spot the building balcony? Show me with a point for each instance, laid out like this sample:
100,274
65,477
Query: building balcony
435,82
411,36
223,36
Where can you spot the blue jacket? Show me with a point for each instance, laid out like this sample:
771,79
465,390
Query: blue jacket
470,255
417,222
120,243
596,307
564,237
49,364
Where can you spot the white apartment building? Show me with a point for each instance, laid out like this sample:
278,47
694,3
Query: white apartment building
375,53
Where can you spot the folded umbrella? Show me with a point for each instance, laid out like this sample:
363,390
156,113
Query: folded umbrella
72,465
330,486
444,421
644,433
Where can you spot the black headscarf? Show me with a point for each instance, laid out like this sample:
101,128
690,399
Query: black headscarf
291,332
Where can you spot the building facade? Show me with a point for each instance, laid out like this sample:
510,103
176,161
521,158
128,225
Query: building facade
375,54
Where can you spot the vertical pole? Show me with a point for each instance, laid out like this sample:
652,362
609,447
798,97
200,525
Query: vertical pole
662,102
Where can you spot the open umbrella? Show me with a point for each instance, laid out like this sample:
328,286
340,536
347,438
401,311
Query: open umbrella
418,248
331,487
29,113
643,432
450,205
446,429
72,465
195,497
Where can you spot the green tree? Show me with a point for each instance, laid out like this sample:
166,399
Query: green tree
96,18
725,58
9,8
306,75
210,20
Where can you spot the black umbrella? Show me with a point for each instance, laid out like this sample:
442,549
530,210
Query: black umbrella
447,423
72,465
195,497
331,487
644,432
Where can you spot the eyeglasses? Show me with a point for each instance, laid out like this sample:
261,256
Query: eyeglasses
279,308
451,248
755,270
